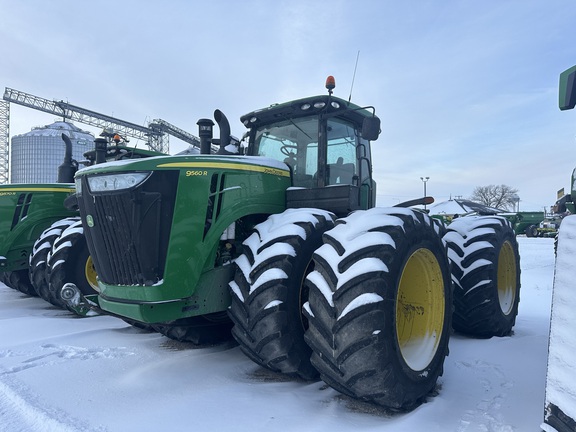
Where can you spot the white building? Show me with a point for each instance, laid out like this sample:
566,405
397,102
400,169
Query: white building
35,156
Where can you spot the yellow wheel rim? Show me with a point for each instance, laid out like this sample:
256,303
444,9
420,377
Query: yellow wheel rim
420,309
90,273
507,278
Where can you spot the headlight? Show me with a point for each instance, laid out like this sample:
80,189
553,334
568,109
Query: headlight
116,182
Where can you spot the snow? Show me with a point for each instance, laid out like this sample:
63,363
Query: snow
359,301
176,159
318,280
63,373
62,245
267,276
560,388
261,243
460,207
55,130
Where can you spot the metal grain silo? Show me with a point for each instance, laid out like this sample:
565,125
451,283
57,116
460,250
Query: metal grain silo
35,156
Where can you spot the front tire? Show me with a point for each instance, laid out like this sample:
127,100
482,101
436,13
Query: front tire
267,291
70,262
486,272
380,306
38,261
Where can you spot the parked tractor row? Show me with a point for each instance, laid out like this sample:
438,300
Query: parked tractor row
276,241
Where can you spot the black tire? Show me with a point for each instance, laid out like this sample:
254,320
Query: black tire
486,272
139,325
5,279
380,306
269,325
200,330
531,231
39,257
70,262
19,280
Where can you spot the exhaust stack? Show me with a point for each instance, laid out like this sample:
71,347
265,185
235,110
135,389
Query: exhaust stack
205,133
69,166
224,126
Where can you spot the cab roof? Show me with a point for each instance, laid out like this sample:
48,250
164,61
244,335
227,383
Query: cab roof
314,105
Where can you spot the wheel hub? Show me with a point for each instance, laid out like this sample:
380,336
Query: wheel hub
420,309
507,278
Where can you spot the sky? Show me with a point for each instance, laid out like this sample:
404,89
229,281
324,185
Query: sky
467,91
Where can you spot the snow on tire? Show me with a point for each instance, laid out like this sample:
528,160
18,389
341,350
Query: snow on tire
486,273
380,306
38,260
69,261
267,291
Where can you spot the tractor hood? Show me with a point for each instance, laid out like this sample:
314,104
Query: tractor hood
242,163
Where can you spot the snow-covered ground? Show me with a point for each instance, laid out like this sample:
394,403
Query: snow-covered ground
61,373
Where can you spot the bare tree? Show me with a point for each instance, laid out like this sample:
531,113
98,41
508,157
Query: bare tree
498,196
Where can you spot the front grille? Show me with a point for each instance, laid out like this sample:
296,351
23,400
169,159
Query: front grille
129,238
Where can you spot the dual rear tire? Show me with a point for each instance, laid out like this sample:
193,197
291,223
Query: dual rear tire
486,273
374,301
380,306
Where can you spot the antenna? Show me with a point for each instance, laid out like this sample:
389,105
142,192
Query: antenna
354,76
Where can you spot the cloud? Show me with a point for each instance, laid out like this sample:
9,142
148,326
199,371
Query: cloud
466,91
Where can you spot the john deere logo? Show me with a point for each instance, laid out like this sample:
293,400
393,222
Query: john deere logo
89,221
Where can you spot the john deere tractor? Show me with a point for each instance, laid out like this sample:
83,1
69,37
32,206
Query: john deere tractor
41,237
277,237
26,210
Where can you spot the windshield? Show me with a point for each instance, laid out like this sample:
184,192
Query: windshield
295,142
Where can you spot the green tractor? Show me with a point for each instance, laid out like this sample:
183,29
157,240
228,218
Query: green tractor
560,400
26,210
277,239
566,203
41,237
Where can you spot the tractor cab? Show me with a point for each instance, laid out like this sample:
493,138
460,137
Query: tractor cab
325,141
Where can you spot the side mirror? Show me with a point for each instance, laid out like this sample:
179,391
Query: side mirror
371,128
567,93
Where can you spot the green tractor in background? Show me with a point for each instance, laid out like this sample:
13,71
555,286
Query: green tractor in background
26,210
41,237
278,238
